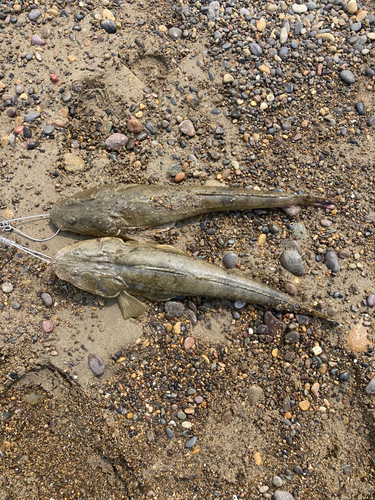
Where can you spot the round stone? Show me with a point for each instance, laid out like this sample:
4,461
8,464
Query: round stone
360,108
292,262
48,129
46,326
96,364
36,40
187,128
331,260
230,260
189,342
199,399
292,337
347,77
277,481
371,300
7,287
175,33
282,495
116,141
34,14
109,26
370,387
134,125
191,442
290,289
47,299
304,405
169,433
174,309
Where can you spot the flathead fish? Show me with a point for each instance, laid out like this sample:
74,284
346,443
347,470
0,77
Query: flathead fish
113,210
111,267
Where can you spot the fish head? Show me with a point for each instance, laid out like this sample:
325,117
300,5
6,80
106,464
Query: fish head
85,213
91,266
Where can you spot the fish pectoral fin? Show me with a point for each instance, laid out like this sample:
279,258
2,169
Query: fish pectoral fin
162,227
158,296
130,306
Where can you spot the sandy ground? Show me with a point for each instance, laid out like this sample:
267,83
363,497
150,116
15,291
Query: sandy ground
67,434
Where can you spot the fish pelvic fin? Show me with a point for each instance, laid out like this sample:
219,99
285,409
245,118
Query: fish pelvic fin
130,306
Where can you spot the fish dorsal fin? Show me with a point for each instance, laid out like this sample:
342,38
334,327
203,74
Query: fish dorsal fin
130,306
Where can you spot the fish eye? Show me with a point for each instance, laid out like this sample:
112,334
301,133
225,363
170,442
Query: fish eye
72,220
76,252
74,273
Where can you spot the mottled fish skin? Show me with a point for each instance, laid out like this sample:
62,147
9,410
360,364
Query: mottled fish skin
111,267
113,209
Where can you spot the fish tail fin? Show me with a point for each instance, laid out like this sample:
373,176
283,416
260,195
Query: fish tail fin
317,201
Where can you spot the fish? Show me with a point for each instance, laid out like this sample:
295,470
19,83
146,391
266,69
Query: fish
116,209
111,267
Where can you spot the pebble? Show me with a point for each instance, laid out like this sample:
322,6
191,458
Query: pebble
36,40
187,128
109,26
292,337
174,309
46,298
47,326
96,364
282,495
116,141
255,394
230,260
7,287
371,300
134,125
275,326
331,260
352,7
304,405
191,443
169,433
299,230
360,108
228,78
73,163
48,129
370,387
189,342
277,481
292,262
291,289
34,14
175,33
347,76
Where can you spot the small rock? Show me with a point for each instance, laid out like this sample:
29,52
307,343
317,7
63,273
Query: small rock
299,8
116,141
304,405
370,387
36,40
73,163
189,342
175,33
347,77
255,394
46,326
34,399
352,7
290,289
282,495
292,262
34,14
275,327
191,442
230,260
228,78
277,481
371,300
331,260
187,128
179,177
96,364
46,298
360,108
292,337
134,125
169,433
174,309
109,26
7,287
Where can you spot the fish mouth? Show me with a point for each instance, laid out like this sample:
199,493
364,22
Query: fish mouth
322,203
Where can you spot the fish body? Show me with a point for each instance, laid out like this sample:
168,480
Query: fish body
111,267
113,210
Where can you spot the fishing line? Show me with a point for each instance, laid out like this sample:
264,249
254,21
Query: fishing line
5,225
34,253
